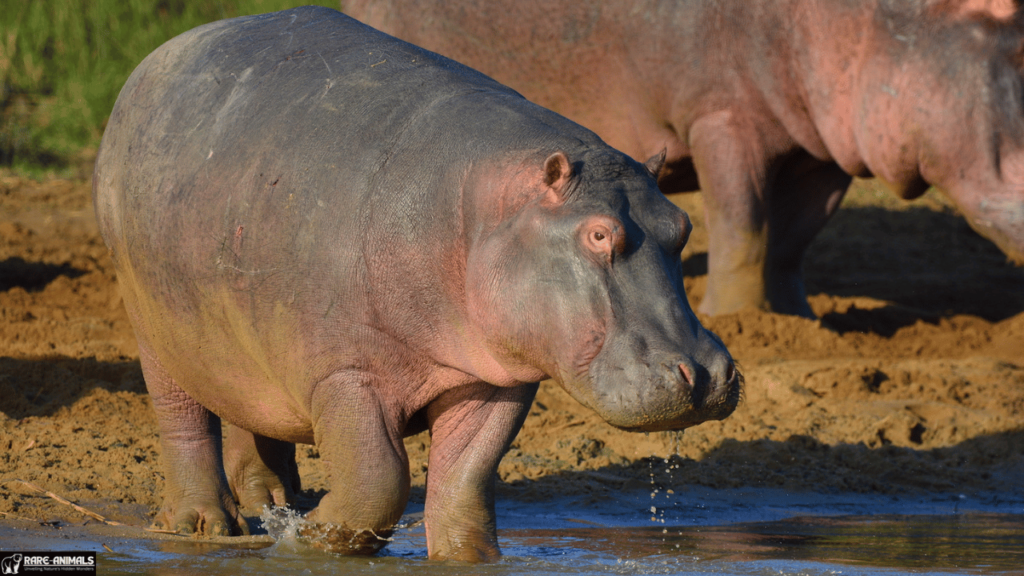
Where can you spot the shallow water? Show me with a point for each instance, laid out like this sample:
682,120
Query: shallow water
973,543
885,544
744,532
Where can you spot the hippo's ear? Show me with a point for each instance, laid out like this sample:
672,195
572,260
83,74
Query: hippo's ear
655,163
557,173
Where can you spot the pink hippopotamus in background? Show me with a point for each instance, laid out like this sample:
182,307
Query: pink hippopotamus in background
325,235
770,107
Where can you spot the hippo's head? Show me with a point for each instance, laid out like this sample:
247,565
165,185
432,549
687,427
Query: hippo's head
578,277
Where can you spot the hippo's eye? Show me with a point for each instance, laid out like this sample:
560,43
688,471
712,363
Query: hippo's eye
603,237
599,239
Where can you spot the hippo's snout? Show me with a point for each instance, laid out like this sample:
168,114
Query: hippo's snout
667,392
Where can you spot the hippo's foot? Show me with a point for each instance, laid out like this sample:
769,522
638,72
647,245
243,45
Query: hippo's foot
342,540
736,288
261,471
207,517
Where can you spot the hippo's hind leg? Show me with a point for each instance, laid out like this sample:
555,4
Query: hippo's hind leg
196,494
359,436
805,194
471,427
261,471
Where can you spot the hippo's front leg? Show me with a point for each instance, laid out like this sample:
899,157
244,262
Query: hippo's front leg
471,428
730,161
196,494
359,436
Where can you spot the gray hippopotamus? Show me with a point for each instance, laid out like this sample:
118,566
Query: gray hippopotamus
325,235
769,107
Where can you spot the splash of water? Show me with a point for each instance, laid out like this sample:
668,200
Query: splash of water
288,528
281,523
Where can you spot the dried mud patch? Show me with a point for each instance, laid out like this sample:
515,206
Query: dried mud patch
911,382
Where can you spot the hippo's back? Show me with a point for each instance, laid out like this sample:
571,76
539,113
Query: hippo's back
236,104
276,131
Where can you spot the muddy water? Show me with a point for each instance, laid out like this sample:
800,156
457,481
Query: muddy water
718,532
968,543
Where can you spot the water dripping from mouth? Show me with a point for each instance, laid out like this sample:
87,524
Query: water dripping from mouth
654,488
670,466
658,514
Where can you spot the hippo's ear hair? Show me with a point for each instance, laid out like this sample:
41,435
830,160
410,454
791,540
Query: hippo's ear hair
655,163
557,174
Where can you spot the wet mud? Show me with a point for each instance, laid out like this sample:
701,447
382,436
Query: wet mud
910,385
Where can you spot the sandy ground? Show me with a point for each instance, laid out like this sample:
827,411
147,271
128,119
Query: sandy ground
912,382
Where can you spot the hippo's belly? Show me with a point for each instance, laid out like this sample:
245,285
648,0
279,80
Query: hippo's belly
251,371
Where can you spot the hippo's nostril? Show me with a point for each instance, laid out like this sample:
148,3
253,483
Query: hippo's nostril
687,377
730,372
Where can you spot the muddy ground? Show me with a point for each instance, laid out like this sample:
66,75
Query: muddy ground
911,383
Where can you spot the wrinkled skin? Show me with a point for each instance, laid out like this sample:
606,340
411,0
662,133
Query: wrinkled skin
325,235
768,107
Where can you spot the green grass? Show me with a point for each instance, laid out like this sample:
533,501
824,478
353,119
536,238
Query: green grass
62,65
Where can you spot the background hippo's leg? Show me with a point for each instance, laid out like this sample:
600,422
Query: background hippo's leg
196,493
804,195
260,470
471,428
360,441
731,169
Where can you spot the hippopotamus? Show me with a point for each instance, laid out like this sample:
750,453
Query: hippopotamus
769,107
325,235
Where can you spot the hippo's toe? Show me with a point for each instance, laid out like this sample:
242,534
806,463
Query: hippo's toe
210,520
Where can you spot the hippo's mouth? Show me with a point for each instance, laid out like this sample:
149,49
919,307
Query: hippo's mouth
664,409
682,424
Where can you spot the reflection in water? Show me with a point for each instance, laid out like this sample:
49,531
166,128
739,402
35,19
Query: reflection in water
992,542
966,543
